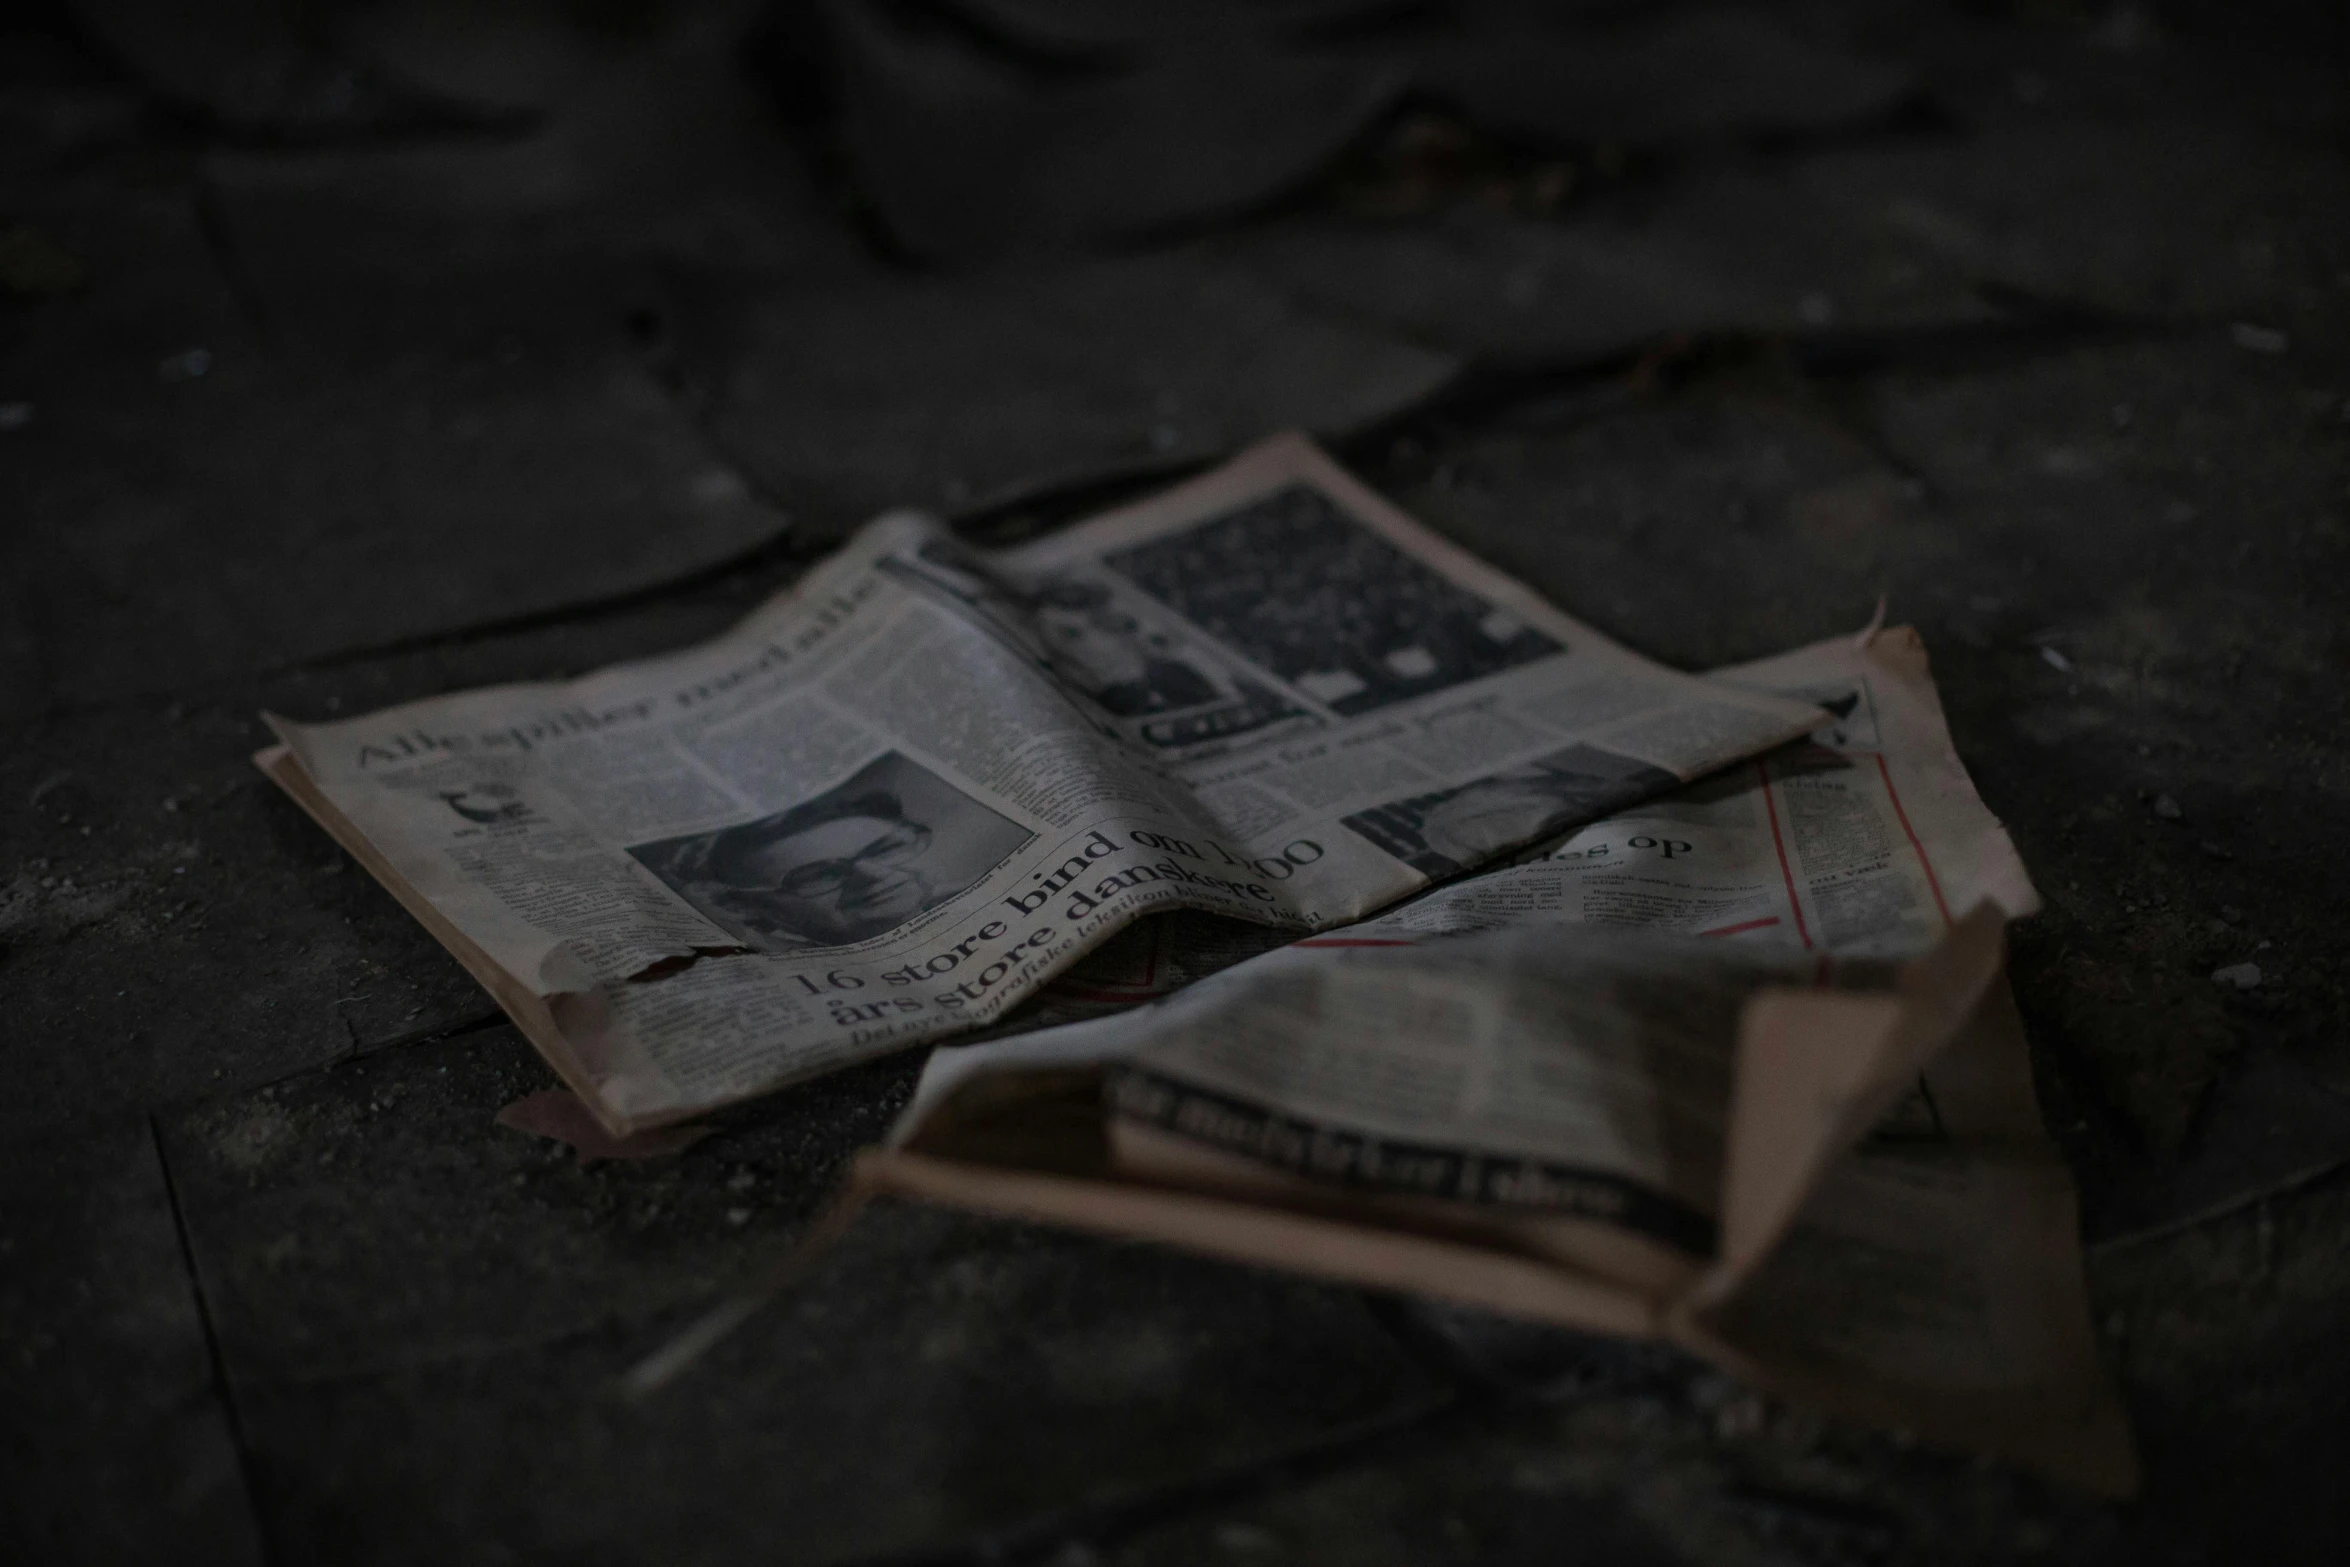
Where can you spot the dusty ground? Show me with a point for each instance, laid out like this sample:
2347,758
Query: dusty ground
2056,358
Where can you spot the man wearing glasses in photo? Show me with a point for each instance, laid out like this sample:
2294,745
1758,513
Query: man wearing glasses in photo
824,874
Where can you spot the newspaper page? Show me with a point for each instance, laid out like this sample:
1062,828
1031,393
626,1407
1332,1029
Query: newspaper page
1538,1094
1681,862
1505,1118
1631,1132
926,779
1866,839
1861,839
1931,1280
1567,1094
1573,1096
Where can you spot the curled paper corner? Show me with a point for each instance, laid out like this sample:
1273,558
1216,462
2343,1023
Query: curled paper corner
558,1113
1868,633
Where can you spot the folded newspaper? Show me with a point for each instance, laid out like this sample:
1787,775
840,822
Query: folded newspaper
1862,840
1723,1069
906,793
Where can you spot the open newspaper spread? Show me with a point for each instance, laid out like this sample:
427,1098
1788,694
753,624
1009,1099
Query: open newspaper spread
908,791
1720,1069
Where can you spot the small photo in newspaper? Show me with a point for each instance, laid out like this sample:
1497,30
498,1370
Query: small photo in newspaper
1118,660
1302,590
1444,832
885,846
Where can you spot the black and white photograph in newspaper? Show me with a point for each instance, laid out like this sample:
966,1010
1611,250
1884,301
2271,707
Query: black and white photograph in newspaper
1097,649
889,843
1294,584
1444,833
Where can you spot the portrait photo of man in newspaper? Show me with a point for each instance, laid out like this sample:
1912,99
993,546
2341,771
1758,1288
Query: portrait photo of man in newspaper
1098,649
890,843
1444,833
1128,668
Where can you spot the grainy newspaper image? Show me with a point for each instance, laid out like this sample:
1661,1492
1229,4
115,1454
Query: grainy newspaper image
926,779
1734,1068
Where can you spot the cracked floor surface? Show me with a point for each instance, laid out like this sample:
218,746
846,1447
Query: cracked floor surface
2056,358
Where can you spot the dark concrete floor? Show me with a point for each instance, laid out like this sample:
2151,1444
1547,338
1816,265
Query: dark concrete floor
2056,357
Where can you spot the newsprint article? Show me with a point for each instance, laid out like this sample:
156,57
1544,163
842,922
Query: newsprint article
905,793
1771,1102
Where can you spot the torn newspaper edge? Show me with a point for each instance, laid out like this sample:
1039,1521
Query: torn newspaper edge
908,791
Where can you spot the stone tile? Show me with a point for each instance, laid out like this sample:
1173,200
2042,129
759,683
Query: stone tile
2155,530
1603,282
1702,1472
169,925
2227,1336
1739,519
965,393
375,1215
899,1420
2171,217
194,501
1922,229
2221,1335
118,1446
424,1316
2266,1126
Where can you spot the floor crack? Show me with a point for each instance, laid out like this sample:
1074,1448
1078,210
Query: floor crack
222,1387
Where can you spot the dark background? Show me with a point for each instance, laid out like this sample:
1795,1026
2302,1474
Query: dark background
351,353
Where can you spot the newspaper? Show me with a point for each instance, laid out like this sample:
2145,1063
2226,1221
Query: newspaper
1862,840
907,792
1859,840
1664,1081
